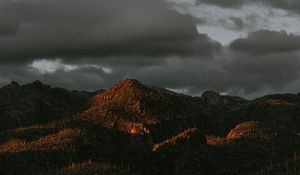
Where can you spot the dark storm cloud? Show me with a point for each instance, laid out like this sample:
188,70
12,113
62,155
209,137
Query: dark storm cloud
266,42
225,3
97,27
291,5
8,26
252,73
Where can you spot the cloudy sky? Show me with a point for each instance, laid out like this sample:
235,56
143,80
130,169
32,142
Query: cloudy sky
238,47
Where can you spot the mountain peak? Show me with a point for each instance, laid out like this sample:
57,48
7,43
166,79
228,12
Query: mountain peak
38,84
129,83
129,96
128,88
13,84
210,93
212,97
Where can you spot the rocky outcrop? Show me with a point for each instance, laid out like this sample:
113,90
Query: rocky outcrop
215,98
189,138
250,130
212,97
12,85
169,152
277,102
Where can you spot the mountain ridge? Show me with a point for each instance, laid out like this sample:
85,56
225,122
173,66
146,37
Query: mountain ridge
132,128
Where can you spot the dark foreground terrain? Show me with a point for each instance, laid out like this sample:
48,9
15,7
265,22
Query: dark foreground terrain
134,129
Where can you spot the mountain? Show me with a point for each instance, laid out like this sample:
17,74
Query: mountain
134,108
36,103
70,146
132,128
279,116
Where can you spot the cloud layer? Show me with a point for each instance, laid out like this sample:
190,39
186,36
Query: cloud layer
89,45
266,42
97,28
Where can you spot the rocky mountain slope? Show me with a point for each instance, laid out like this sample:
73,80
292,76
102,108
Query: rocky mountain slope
133,128
134,108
